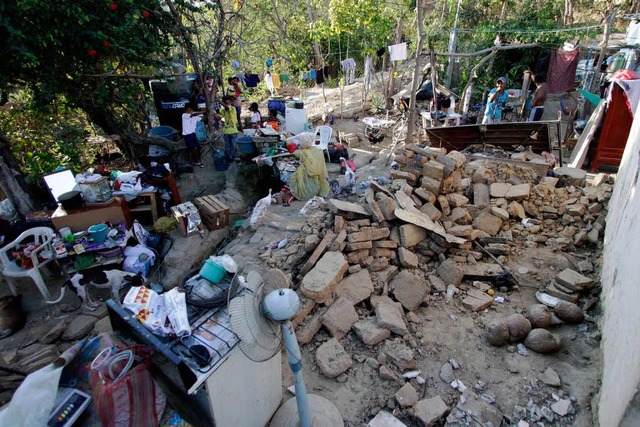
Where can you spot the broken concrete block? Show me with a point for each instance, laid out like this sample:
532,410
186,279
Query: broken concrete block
340,238
356,287
339,318
457,200
573,280
425,194
409,289
460,216
481,195
429,411
437,284
409,177
499,189
389,316
347,209
397,353
321,281
431,185
308,329
368,233
332,358
318,252
431,211
518,192
434,170
477,300
407,258
500,213
450,272
411,235
369,332
407,395
488,223
385,419
461,230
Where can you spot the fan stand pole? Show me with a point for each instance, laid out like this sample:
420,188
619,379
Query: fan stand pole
294,358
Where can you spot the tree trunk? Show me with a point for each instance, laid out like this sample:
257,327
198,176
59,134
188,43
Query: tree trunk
12,182
469,86
392,80
567,16
316,46
416,76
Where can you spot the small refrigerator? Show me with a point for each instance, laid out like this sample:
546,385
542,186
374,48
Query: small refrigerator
295,120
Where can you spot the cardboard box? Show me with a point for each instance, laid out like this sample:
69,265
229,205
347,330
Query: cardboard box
184,214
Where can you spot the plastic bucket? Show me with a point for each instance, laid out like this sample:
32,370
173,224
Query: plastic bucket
98,233
165,132
212,271
246,145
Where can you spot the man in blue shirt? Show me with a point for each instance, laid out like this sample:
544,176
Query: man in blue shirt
497,97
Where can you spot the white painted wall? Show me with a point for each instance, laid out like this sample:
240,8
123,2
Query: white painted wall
621,288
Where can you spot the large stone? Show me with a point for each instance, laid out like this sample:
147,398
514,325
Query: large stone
499,189
406,396
450,272
407,258
387,274
481,195
318,252
488,223
339,318
477,300
573,280
387,206
332,358
431,185
500,213
409,289
568,176
431,211
516,210
397,352
55,332
347,209
411,235
368,233
425,195
446,373
460,216
563,407
356,287
79,327
461,230
437,284
459,158
385,419
433,170
518,192
311,242
369,332
448,163
429,411
389,316
457,200
321,281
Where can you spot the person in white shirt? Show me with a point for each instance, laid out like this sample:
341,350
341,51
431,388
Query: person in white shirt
256,117
189,122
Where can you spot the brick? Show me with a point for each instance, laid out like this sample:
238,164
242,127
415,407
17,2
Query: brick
368,233
450,272
340,238
407,176
369,332
320,250
356,246
356,287
339,318
433,170
411,235
431,185
481,195
425,195
332,358
409,289
306,307
356,257
383,252
376,212
389,316
389,244
407,258
518,192
308,329
499,189
387,206
321,281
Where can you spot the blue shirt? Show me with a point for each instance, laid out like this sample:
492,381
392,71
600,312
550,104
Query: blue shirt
494,108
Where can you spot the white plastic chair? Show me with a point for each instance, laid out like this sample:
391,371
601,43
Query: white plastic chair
41,236
322,143
451,113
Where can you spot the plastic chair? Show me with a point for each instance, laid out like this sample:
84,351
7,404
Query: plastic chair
41,236
325,135
451,113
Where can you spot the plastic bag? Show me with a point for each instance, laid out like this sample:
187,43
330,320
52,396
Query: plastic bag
149,308
225,261
176,304
8,211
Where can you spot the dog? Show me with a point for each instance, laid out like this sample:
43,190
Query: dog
107,279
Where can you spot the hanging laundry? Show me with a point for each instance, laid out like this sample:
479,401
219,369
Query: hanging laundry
562,70
319,76
235,64
305,76
276,81
349,68
325,71
368,70
398,52
633,33
269,62
284,78
312,74
268,79
251,80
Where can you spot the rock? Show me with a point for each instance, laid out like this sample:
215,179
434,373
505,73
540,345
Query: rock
434,170
379,264
79,327
318,252
516,210
347,209
338,241
431,211
461,230
321,281
446,373
309,328
481,195
407,395
387,374
387,206
311,242
425,195
55,333
457,200
550,377
407,258
460,216
570,177
389,316
409,289
407,176
399,354
488,223
499,189
576,210
357,257
385,419
450,272
358,246
356,287
332,359
411,235
369,332
368,233
102,326
518,192
500,213
99,312
437,284
573,280
340,317
338,223
431,185
470,403
428,411
477,300
459,158
482,271
387,274
563,407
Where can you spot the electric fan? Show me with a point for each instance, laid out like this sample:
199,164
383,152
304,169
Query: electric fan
260,316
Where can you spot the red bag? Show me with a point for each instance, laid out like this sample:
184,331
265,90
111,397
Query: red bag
132,400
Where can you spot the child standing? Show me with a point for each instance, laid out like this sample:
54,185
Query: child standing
189,122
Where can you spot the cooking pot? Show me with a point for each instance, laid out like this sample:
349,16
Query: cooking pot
71,200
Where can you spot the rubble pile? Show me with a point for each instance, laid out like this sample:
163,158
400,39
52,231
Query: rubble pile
366,267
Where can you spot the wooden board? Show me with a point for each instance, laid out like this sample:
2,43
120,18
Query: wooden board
213,212
579,152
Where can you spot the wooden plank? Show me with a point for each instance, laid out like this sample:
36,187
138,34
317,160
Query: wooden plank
579,152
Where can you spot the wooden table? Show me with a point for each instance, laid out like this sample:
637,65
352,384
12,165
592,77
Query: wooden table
113,211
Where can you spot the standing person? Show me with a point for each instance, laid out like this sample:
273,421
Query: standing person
497,97
234,90
230,128
539,97
256,117
189,122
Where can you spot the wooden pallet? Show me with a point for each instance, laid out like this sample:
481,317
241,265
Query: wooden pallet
213,212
